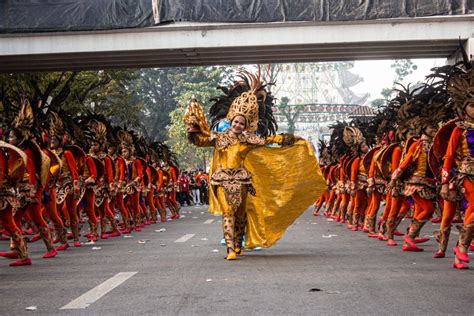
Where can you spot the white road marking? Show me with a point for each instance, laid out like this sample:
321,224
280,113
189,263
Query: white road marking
185,238
90,297
209,221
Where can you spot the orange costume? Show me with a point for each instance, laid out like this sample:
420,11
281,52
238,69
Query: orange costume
358,186
460,155
420,185
400,205
375,189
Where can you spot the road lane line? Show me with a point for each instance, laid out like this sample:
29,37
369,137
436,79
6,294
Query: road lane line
209,221
90,297
185,238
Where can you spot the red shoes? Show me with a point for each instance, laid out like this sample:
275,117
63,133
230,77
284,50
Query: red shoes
461,265
77,244
116,234
409,241
50,254
421,240
439,255
461,255
397,233
316,214
10,255
411,248
355,228
392,243
62,247
22,262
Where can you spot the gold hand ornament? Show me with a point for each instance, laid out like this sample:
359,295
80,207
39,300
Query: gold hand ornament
195,118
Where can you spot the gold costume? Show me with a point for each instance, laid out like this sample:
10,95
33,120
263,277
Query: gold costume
282,182
286,180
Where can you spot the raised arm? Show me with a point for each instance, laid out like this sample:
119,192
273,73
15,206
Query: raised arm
199,133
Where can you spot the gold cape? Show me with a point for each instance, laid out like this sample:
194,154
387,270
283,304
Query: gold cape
287,181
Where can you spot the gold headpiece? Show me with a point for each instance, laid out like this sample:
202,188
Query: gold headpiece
126,140
353,137
25,119
56,128
246,104
461,90
100,131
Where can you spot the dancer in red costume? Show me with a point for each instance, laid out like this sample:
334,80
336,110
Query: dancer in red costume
36,176
134,178
12,168
89,179
117,198
161,193
420,183
458,168
173,172
358,175
68,189
325,164
105,177
50,205
375,190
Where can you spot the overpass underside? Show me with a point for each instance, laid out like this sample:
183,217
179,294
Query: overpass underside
200,44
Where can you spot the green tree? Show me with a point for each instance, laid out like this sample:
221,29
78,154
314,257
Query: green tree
403,68
291,112
105,92
200,82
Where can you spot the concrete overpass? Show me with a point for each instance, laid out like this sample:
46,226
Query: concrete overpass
187,44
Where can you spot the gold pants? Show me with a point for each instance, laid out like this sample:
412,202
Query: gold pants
233,219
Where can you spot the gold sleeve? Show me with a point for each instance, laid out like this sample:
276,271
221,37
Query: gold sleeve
202,140
278,139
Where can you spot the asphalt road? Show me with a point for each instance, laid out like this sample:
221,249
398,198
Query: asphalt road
318,268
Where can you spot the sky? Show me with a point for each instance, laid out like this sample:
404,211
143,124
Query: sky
378,74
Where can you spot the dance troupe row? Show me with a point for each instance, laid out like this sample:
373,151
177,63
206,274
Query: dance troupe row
46,176
417,154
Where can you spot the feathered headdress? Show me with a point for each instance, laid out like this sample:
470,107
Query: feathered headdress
353,137
336,144
98,131
25,119
56,127
247,97
140,145
461,90
324,154
426,108
126,140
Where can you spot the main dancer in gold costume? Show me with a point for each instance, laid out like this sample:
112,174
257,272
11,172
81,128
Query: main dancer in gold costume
282,182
